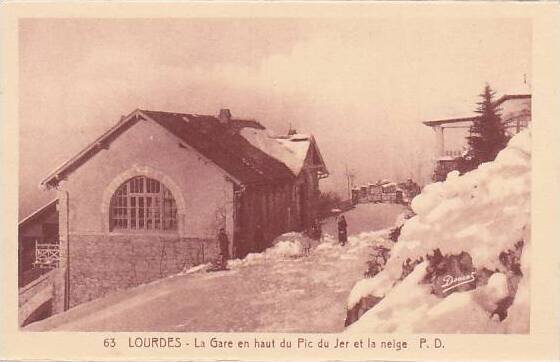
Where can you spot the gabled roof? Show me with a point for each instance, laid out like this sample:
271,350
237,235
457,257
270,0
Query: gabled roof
223,146
220,143
317,157
51,206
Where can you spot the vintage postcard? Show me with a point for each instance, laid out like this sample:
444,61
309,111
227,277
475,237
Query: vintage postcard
280,180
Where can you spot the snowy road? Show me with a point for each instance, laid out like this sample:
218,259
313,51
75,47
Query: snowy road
304,294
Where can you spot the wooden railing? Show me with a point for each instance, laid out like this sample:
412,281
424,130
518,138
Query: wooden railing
47,255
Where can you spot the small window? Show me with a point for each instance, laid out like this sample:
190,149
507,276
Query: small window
143,204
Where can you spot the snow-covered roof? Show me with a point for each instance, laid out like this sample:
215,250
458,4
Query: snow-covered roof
291,151
445,158
209,136
242,148
390,184
382,182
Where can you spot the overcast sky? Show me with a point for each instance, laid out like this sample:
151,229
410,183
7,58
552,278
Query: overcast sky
361,86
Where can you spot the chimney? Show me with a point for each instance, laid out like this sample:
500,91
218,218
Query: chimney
224,116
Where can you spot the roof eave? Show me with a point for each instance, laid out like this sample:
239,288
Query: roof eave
37,213
59,173
450,120
506,97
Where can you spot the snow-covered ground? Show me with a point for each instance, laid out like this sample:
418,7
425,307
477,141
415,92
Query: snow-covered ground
369,217
275,291
483,213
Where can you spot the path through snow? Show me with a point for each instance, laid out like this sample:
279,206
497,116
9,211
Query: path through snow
281,294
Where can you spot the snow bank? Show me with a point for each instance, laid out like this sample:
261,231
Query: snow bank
356,243
519,312
368,286
483,213
368,239
290,151
290,246
194,269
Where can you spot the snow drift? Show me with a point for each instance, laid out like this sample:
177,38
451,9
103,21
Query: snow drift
480,219
290,246
286,246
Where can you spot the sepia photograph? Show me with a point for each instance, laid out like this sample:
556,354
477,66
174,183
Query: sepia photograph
264,181
317,175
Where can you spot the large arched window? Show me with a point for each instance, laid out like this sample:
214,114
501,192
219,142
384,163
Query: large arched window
143,203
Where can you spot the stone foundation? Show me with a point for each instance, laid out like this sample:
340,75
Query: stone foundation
100,264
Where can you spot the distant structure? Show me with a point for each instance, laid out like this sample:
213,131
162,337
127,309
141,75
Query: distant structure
451,134
385,191
147,198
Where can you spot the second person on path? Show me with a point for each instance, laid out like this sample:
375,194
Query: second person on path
342,230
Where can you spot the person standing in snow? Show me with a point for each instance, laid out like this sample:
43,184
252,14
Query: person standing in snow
306,242
224,247
342,230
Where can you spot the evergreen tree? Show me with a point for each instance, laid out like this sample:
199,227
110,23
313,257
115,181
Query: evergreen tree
487,134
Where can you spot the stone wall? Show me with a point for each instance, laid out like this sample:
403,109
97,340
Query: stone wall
100,264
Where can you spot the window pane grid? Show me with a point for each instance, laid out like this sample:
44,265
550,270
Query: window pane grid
143,203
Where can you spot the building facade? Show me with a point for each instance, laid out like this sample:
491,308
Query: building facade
147,198
451,134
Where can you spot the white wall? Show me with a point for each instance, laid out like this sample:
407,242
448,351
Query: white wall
146,148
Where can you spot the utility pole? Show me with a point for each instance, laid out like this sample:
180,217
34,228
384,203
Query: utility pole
349,180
